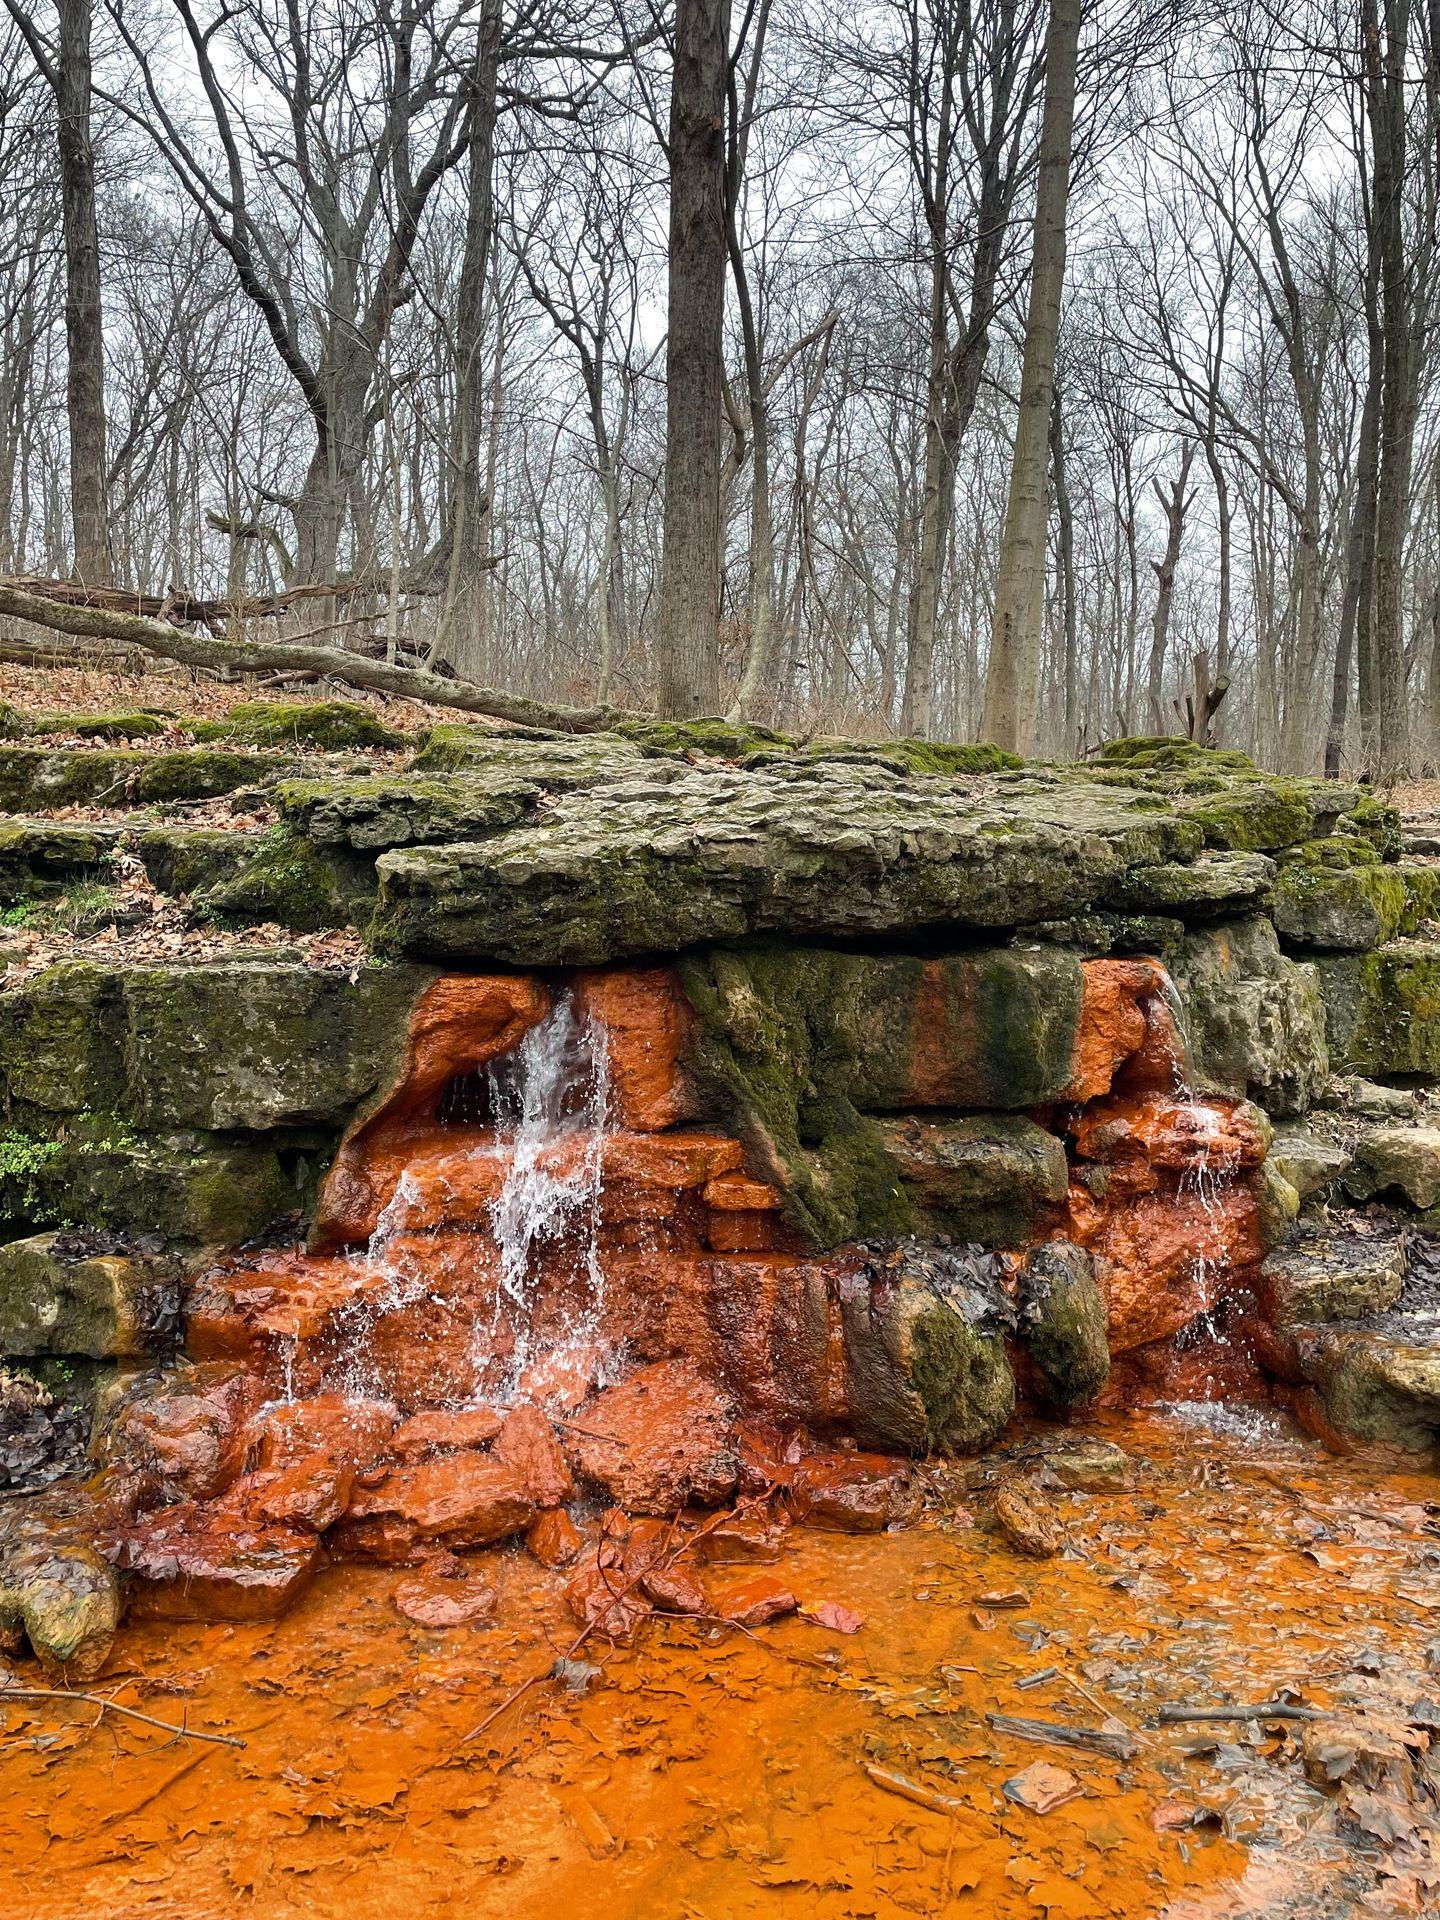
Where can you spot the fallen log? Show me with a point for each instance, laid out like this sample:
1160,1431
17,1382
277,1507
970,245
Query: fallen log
287,656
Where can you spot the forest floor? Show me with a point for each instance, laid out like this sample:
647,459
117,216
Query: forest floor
796,1770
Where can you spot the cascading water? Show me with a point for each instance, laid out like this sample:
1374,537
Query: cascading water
548,1097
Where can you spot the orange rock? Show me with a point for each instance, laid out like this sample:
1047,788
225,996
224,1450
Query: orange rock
1112,1021
659,1440
676,1589
445,1593
849,1492
461,1022
194,1562
554,1539
528,1448
647,1021
445,1430
310,1493
1169,1134
462,1499
606,1601
737,1192
348,1429
754,1602
192,1436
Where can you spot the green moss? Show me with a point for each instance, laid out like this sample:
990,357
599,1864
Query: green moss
193,773
60,1041
13,723
1382,1010
25,1160
1344,904
1422,896
1165,752
185,860
1255,816
36,779
727,740
141,725
1063,1324
964,1382
1373,821
291,883
328,725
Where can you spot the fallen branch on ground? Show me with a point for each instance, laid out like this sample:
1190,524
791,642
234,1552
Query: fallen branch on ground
107,1705
1267,1710
1115,1745
287,656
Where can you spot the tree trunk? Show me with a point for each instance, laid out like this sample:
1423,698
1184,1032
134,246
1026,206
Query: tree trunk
1070,723
688,678
1359,549
460,639
1175,504
84,322
1012,678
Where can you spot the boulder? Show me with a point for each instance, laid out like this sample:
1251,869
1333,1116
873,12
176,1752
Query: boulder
57,1592
1336,895
459,1499
995,1179
658,1440
685,853
1028,1519
1402,1162
188,1431
1382,1010
1327,1274
446,1593
346,1428
445,1430
1207,888
1062,1323
1085,1466
63,1293
1255,1020
1307,1159
849,1492
1379,1387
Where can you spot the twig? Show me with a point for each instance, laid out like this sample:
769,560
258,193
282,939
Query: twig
922,1796
1055,1733
163,1786
1267,1710
107,1705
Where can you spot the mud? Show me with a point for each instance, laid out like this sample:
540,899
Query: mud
706,1770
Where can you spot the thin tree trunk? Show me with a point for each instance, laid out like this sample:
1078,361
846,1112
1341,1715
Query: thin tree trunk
1175,504
84,321
1011,682
1070,741
688,677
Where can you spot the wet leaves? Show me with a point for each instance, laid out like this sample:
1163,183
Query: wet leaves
1042,1787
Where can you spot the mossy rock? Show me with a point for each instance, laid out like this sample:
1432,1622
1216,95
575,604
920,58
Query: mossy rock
1383,1010
1258,816
1063,1323
141,725
1375,822
185,860
992,1180
1319,903
561,762
944,759
1377,1387
729,740
329,726
39,857
260,1044
37,779
292,883
794,1048
1255,1020
1323,1275
1145,753
964,1380
14,725
412,809
57,1592
62,1041
200,1189
1212,886
59,1298
1421,881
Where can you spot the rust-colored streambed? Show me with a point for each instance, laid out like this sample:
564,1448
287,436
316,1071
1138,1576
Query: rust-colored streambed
707,1772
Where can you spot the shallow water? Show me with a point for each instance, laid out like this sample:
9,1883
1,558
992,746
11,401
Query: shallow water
724,1775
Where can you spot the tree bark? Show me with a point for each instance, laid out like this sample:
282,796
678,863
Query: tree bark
1011,682
84,322
1175,503
688,677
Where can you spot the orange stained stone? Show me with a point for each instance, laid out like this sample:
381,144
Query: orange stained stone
1113,1021
647,1022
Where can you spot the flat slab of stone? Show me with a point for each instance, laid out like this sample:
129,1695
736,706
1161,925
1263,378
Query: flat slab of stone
1308,1160
1333,1275
1397,1160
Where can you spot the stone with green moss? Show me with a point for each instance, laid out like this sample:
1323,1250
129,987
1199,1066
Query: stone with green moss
1255,1020
56,1591
329,726
184,1186
292,883
946,759
40,857
681,854
1164,752
1062,1323
62,1041
1421,879
182,860
995,1180
1214,885
141,725
726,739
260,1043
1336,895
37,779
1378,1387
1383,1010
414,809
561,762
1377,823
59,1296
